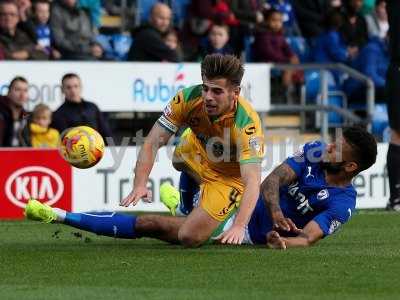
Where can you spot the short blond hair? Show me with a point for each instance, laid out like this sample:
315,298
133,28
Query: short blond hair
39,109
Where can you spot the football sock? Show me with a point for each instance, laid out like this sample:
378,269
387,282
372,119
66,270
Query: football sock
107,223
188,188
393,167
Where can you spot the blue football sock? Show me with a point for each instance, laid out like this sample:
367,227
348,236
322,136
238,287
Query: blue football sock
108,223
188,188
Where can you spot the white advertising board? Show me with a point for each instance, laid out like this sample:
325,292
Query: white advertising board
102,187
125,86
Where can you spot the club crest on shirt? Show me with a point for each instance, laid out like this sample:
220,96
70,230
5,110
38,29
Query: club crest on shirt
256,145
168,110
323,194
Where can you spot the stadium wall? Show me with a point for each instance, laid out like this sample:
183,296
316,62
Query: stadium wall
45,175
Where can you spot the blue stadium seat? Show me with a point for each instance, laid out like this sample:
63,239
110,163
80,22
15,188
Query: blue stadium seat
299,45
312,84
144,7
339,99
380,122
116,46
121,45
179,7
105,42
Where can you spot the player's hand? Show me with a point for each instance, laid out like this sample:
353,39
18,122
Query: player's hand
137,194
233,235
279,222
274,241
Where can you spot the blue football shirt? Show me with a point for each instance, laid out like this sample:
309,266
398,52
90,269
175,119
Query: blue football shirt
309,198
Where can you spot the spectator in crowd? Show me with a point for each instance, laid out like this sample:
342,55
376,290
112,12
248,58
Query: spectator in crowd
249,14
330,45
73,32
76,111
217,41
39,24
16,43
270,45
310,16
12,113
171,39
148,42
289,17
377,21
25,14
372,61
354,28
40,133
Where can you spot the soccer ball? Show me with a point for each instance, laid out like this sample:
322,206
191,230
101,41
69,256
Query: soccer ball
82,146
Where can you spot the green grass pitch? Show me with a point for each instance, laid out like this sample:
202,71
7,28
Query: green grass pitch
41,261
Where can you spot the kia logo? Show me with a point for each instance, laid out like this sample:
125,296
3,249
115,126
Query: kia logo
34,182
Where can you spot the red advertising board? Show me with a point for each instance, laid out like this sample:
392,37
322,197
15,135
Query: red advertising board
33,173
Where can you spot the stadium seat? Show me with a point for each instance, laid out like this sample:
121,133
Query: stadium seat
144,7
115,46
380,122
312,84
179,7
299,46
121,45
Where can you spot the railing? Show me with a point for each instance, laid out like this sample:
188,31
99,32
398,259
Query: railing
325,107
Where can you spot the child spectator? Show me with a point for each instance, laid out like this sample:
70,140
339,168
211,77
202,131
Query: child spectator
289,18
40,23
171,39
270,45
217,40
42,136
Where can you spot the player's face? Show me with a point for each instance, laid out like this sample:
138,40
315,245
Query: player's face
72,89
18,93
219,96
339,157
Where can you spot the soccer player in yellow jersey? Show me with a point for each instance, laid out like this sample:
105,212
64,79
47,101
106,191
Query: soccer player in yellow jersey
222,151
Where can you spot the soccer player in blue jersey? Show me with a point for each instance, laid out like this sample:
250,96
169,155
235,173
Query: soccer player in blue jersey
304,199
310,195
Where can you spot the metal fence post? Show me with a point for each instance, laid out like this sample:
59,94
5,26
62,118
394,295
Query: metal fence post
324,102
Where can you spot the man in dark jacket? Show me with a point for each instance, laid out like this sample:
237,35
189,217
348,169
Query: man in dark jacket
76,111
16,43
73,32
12,113
148,44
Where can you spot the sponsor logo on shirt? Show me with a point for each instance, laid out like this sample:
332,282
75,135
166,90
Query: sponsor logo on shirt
323,194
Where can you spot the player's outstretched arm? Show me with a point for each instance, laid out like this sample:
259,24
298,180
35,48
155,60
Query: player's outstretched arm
311,234
157,138
281,175
250,174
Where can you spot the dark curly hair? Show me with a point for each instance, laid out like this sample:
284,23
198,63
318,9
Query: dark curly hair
363,145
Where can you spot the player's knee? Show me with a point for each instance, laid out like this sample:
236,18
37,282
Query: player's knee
189,239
